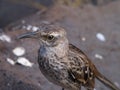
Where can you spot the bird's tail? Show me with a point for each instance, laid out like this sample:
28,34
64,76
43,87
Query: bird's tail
107,82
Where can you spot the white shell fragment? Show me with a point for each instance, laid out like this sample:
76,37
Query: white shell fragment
34,28
10,61
101,37
6,38
25,62
19,51
83,39
31,28
98,56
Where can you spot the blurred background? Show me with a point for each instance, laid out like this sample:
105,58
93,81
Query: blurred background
92,25
13,10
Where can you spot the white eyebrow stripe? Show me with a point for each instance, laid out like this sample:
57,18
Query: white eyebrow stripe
55,34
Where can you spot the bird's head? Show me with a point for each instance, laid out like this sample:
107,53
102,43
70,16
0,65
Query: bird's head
49,36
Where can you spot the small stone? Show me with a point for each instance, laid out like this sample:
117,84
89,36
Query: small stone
25,62
19,51
83,39
101,37
10,61
29,27
34,28
98,56
6,38
23,27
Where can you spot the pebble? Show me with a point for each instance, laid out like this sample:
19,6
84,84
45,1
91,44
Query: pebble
98,56
29,27
83,39
19,51
9,60
6,38
34,28
24,62
101,37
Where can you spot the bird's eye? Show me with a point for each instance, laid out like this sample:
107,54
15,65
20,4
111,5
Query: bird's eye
50,37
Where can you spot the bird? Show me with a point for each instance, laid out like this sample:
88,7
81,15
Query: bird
63,63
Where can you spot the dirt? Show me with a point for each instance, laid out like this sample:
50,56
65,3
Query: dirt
79,23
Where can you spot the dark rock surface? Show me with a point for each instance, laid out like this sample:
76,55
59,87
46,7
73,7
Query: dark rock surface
82,25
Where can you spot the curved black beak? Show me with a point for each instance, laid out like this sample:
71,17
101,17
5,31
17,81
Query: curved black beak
28,35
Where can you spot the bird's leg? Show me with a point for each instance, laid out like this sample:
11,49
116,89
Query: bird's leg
63,89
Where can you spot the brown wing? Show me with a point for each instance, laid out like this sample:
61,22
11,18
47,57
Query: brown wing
82,56
81,68
88,72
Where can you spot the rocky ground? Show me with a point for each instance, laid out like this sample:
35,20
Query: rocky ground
94,29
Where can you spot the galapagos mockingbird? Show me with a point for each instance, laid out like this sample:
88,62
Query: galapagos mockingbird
64,64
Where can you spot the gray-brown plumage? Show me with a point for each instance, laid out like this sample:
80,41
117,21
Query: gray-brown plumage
63,63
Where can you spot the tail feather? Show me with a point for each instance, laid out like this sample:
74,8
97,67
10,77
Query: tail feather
107,82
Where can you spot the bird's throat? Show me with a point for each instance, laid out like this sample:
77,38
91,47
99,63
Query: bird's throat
60,50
